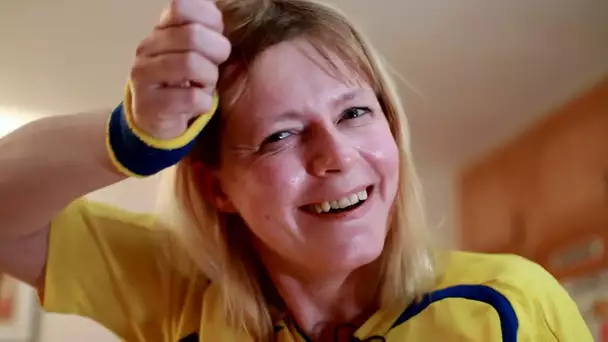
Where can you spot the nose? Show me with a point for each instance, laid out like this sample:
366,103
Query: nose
332,152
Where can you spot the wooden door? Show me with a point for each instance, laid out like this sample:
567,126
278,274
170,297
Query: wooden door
497,198
490,221
573,164
582,248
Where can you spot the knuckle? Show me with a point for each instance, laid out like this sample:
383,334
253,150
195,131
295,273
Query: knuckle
141,47
214,75
176,7
203,101
225,48
190,96
216,17
137,70
211,15
208,73
209,90
191,32
149,43
190,62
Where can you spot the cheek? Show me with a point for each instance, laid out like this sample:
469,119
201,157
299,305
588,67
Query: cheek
266,189
264,195
279,178
381,151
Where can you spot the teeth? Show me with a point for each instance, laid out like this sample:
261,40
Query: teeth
341,203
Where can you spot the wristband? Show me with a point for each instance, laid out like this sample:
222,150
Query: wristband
138,154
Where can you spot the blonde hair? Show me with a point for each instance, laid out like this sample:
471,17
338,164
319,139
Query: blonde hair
252,26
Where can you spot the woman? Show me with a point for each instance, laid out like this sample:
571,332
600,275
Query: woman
297,203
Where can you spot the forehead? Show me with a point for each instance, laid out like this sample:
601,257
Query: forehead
292,76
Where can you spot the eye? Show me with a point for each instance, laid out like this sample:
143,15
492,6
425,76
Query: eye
354,112
276,137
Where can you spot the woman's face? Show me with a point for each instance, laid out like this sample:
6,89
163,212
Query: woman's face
309,161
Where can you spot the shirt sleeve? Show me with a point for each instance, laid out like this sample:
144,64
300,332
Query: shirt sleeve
545,310
116,268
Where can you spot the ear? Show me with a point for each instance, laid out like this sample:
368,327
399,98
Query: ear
211,189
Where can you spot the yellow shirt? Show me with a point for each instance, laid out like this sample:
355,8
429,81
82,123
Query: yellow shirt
117,269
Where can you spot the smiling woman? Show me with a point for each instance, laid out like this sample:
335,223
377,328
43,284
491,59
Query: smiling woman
294,210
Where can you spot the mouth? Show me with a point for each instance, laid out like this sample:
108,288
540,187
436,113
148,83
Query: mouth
341,206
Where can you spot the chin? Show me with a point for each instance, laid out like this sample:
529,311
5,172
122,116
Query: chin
345,257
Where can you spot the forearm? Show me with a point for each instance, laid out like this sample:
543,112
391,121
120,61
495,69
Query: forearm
48,163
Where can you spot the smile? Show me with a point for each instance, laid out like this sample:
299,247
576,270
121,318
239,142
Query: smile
342,204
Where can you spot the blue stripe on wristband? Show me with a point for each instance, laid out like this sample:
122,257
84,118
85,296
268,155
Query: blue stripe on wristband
135,155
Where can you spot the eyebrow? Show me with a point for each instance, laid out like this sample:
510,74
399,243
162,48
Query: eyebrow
335,102
347,96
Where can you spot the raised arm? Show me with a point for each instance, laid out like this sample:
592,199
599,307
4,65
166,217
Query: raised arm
43,166
50,162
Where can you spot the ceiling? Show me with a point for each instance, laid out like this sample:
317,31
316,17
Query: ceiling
473,72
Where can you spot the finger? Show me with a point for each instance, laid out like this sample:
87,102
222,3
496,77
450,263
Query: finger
185,38
177,101
175,68
181,12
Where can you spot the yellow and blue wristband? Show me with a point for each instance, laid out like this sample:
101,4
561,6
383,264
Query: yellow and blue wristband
138,154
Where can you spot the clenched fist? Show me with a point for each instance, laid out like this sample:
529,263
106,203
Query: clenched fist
176,68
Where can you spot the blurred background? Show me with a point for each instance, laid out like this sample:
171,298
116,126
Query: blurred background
508,103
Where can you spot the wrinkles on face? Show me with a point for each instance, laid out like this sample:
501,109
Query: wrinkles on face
299,135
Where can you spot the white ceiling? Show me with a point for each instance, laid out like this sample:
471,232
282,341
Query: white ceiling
478,71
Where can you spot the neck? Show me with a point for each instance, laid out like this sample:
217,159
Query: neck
321,302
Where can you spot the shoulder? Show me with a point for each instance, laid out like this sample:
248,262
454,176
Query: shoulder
109,228
83,210
111,232
542,307
122,235
477,268
122,269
